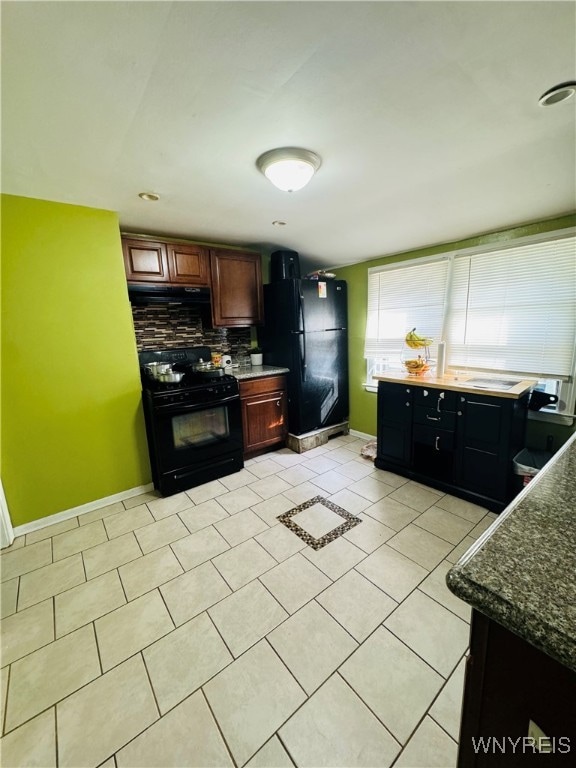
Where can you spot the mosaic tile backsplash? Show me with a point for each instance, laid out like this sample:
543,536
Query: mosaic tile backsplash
178,325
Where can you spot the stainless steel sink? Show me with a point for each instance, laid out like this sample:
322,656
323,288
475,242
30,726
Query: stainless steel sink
492,383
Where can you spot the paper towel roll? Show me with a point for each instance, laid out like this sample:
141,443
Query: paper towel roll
441,363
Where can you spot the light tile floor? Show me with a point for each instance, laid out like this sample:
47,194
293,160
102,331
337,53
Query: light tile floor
199,630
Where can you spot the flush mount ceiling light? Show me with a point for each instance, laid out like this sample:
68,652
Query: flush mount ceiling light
150,196
558,93
289,168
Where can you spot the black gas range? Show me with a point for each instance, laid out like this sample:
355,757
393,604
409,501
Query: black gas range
194,425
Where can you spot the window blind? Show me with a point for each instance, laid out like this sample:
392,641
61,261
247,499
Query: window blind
401,298
514,309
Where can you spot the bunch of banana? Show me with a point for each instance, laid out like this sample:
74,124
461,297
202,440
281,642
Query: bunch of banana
414,341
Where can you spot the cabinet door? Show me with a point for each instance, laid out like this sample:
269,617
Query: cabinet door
188,264
394,422
264,420
236,288
483,421
395,402
483,461
145,261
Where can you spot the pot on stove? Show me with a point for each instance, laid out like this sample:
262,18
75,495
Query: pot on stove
170,376
156,369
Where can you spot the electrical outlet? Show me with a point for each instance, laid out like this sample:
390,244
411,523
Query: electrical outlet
541,742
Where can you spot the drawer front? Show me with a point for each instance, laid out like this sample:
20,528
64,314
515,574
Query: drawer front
439,439
434,418
249,387
439,399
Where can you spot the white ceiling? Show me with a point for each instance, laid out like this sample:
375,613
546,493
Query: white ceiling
425,115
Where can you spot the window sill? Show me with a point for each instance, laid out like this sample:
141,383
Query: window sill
552,418
370,387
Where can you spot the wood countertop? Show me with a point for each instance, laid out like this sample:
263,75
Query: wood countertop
458,383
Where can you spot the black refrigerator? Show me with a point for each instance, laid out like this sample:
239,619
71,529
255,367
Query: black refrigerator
306,330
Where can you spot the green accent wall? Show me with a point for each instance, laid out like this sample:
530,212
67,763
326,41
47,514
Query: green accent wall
362,403
72,429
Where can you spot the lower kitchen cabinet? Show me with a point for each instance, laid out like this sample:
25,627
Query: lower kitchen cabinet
395,410
264,405
458,442
509,686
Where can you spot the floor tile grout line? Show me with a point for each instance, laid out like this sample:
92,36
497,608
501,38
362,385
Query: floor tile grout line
148,727
332,580
415,522
117,569
424,716
56,741
441,674
220,731
284,746
221,636
4,714
160,715
399,604
368,707
98,648
435,599
431,716
49,706
54,618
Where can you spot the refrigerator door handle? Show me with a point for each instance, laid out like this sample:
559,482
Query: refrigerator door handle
303,336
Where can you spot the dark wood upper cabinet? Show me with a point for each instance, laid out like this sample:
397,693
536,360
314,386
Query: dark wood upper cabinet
237,297
145,261
233,276
189,264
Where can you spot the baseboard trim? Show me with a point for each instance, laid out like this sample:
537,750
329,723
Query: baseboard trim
362,434
66,514
6,530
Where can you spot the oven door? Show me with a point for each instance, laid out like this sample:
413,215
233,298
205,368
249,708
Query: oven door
191,444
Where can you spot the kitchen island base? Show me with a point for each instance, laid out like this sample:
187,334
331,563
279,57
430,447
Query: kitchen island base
518,707
454,439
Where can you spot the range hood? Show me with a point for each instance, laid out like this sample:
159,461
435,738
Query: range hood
151,293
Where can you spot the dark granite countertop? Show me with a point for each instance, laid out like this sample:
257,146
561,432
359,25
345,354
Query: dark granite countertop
257,371
522,571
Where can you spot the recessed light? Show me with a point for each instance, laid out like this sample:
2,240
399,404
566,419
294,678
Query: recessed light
557,94
278,223
151,196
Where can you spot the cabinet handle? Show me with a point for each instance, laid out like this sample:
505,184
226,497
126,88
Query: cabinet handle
278,403
436,443
407,405
440,398
407,390
433,418
459,413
